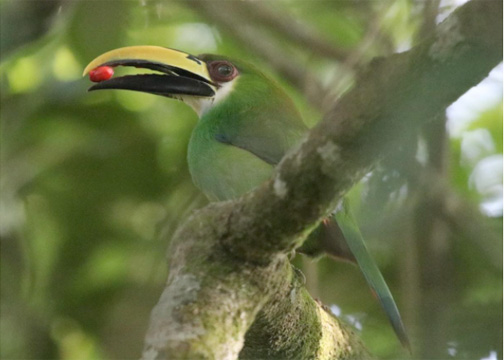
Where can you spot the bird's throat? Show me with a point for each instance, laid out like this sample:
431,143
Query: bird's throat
201,105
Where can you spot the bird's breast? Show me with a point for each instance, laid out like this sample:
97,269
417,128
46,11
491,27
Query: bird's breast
223,171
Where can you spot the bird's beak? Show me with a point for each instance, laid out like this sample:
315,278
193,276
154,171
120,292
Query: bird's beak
179,73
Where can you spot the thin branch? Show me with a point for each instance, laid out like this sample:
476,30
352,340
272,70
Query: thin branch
428,227
354,60
466,221
227,17
430,14
293,29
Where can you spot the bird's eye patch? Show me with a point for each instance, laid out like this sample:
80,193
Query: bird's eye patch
222,71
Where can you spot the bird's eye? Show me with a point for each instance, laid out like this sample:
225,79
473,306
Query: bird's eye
225,70
222,71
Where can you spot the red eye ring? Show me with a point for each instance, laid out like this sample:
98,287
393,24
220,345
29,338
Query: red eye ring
222,71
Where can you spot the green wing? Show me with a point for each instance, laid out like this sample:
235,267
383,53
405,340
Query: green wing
267,125
370,270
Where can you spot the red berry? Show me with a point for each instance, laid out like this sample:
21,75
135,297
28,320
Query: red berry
101,73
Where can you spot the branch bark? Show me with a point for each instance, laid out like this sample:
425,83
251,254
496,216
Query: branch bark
231,289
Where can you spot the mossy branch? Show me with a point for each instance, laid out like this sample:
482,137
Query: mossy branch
231,289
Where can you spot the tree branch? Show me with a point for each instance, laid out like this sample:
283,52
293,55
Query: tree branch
228,17
229,261
292,29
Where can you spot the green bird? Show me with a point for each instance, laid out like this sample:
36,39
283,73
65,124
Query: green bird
246,125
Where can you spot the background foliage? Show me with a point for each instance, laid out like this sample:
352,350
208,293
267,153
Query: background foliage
92,184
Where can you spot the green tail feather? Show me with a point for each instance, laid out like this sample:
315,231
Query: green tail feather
370,270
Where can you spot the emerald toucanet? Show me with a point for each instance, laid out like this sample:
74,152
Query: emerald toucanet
247,123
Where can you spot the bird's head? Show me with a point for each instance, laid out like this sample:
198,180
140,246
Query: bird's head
201,81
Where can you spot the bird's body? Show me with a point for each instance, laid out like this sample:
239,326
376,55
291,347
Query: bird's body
247,124
237,142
